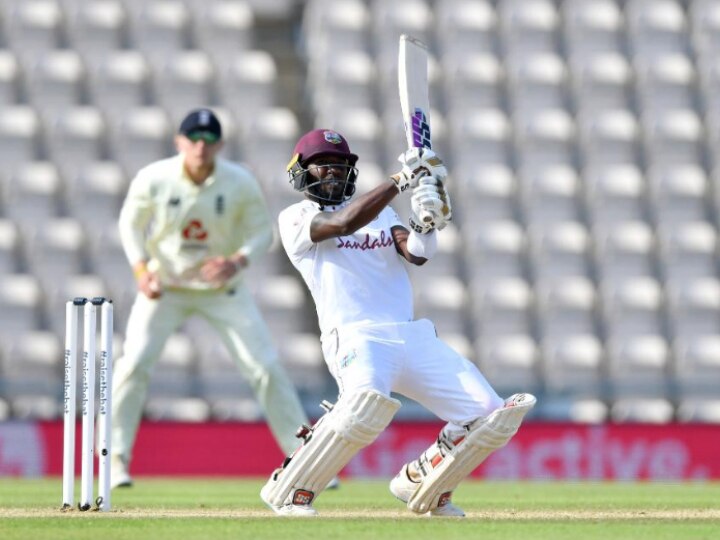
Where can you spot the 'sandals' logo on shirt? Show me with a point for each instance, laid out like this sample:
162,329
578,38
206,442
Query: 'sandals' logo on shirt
384,240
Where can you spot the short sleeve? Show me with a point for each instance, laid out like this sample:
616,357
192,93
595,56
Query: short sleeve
294,225
393,217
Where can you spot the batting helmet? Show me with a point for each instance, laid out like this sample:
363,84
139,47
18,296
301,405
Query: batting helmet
322,143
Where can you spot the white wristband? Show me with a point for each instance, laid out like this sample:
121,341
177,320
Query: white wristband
422,245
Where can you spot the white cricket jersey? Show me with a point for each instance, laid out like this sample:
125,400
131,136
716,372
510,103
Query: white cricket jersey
359,278
177,225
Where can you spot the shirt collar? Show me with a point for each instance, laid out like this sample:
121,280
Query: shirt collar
331,207
208,181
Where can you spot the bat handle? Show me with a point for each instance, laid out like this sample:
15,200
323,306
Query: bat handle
425,216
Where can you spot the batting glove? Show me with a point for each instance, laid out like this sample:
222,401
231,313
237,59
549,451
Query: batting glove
416,163
447,206
426,206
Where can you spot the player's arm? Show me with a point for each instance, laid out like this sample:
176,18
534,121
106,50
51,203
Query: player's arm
135,215
417,248
355,215
401,235
416,163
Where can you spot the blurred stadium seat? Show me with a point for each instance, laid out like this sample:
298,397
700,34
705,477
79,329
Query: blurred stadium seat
20,305
160,29
95,192
56,81
592,28
248,83
573,366
76,138
20,135
142,135
32,194
465,27
602,82
98,27
566,305
223,28
528,26
184,82
33,27
11,84
560,250
509,359
118,81
10,245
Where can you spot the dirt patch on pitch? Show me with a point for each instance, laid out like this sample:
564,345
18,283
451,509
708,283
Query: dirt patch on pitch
496,515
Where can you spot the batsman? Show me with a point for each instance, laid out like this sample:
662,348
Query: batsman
351,254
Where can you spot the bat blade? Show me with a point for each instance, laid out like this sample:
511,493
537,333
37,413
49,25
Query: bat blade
414,94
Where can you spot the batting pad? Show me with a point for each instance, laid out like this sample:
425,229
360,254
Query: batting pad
484,437
352,424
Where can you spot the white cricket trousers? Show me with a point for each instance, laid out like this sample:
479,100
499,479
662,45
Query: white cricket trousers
242,329
409,358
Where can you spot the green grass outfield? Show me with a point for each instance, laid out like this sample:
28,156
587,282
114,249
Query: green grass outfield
184,509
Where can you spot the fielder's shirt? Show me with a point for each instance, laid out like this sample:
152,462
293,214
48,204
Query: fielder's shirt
176,224
360,278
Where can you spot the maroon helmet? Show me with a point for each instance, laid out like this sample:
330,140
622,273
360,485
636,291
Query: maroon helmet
322,143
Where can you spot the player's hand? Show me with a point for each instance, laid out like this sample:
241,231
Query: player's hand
430,206
219,269
447,206
416,163
426,206
149,284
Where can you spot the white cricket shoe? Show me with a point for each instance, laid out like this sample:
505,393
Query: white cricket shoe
334,483
447,510
289,510
403,488
293,510
119,472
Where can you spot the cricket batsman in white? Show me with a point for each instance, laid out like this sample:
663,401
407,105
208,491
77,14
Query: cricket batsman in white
351,255
189,226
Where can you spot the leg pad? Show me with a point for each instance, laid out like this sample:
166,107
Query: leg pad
455,460
353,423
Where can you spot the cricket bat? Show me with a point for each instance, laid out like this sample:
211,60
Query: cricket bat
414,96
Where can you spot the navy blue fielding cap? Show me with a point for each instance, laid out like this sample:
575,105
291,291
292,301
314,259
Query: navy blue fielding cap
201,120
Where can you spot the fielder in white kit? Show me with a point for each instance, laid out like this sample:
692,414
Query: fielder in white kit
208,220
351,256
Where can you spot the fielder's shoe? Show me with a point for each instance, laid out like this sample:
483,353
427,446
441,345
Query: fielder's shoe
119,473
289,510
403,488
